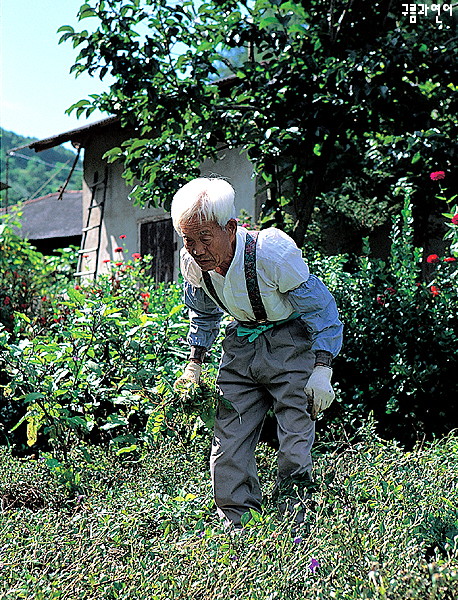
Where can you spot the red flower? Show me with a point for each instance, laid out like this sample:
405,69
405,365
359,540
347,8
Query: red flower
434,290
123,236
433,258
144,295
450,259
381,300
119,249
455,219
136,256
7,300
107,260
77,287
118,264
391,290
437,175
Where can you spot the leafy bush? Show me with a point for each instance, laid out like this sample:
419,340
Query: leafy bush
29,284
401,338
100,370
28,279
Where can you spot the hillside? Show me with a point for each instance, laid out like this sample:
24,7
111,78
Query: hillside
34,174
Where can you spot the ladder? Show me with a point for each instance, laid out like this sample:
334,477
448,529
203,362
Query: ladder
93,221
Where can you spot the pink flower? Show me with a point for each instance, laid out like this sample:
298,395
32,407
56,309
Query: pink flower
136,256
119,249
7,300
455,219
381,300
450,259
433,258
123,236
437,175
391,290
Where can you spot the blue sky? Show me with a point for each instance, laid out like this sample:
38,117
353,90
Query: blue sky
36,86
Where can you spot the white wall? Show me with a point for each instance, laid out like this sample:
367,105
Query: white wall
237,169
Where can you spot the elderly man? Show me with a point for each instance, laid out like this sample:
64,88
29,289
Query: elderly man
277,352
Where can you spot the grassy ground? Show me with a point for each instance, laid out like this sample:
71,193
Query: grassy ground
385,526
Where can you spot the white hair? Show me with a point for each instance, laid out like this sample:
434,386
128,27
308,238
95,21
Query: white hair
210,199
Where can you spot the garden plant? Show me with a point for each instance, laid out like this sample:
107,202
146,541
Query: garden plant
104,487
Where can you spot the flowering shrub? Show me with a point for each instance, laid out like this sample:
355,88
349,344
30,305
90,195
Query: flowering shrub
400,341
28,279
99,367
88,375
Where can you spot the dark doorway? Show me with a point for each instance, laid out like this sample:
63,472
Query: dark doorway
157,239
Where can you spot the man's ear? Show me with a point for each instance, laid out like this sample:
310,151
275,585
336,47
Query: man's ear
231,226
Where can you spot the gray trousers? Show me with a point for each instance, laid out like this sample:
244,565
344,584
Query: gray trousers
269,372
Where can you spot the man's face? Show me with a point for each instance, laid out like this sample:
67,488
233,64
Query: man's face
210,246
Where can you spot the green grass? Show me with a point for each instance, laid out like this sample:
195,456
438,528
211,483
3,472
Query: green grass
385,526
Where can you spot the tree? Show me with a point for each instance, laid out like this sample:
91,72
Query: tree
333,100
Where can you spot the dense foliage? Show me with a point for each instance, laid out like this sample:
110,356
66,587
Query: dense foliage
28,279
31,175
399,357
99,364
384,527
332,100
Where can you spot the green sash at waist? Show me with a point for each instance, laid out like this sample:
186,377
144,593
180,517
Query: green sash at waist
254,332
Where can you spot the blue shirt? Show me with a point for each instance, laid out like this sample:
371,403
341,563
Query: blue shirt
311,299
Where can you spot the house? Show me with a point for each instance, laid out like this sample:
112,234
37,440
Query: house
108,213
52,221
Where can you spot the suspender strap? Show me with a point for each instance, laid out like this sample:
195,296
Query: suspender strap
211,290
251,278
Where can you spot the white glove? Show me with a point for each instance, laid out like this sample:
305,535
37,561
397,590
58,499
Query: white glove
191,374
319,391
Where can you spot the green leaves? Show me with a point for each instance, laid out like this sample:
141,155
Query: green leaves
347,79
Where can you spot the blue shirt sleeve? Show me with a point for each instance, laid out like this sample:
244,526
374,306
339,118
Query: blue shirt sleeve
317,307
204,316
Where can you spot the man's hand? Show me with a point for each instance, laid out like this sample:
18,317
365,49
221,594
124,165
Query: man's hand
191,375
319,391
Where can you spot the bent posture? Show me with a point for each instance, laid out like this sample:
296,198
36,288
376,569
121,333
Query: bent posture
277,352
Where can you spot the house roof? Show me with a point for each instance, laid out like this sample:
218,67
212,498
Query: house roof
82,134
79,135
47,217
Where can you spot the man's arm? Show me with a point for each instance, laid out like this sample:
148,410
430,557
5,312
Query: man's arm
318,310
204,321
204,318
